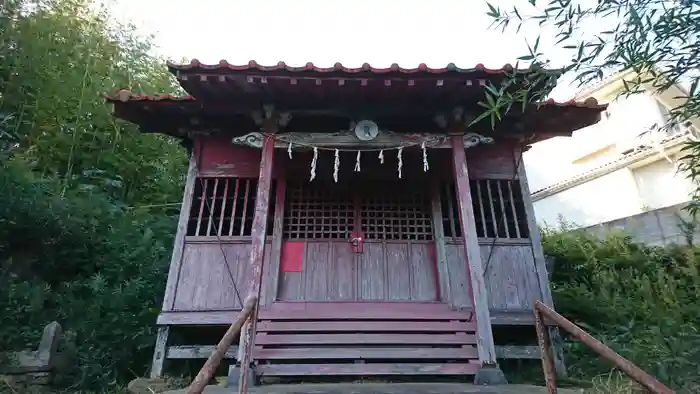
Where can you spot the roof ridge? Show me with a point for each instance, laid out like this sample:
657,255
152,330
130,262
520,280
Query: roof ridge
124,95
339,67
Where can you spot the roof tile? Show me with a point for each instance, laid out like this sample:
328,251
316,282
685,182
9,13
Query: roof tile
339,67
126,95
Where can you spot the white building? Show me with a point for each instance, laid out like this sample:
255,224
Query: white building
622,166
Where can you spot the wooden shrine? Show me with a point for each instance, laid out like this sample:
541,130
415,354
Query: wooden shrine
385,233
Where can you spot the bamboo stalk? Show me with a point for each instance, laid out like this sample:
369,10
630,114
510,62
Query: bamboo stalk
205,374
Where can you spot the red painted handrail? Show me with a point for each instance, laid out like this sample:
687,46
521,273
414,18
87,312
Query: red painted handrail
647,381
205,374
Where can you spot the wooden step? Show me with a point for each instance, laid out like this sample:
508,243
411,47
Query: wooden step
340,310
365,353
366,369
296,339
290,339
365,326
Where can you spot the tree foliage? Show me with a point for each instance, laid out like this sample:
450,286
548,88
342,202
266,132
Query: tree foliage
657,39
87,203
60,58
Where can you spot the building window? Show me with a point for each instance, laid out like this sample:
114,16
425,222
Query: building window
225,207
499,209
668,127
382,211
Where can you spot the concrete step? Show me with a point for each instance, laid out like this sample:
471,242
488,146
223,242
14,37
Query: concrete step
385,388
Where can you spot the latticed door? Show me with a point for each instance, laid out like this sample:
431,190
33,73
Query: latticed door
369,242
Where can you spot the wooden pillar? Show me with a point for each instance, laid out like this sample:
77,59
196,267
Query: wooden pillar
159,353
440,252
273,270
257,252
476,283
540,266
179,246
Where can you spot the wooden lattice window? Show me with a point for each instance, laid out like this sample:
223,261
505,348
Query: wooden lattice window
380,211
499,209
389,212
318,211
225,207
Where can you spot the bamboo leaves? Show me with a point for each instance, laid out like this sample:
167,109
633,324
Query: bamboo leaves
657,39
58,61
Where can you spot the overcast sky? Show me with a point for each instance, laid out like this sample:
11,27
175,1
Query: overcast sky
379,32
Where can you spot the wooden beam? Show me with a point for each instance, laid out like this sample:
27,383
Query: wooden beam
273,269
440,253
257,252
457,369
336,311
207,372
179,246
535,237
519,352
540,266
503,352
159,352
476,284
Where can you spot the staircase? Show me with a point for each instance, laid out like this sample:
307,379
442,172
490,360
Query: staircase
425,344
442,343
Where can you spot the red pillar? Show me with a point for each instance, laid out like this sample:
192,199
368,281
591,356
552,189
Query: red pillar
257,253
476,284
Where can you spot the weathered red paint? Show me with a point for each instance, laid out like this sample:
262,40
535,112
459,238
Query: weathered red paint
357,240
475,283
462,185
262,207
411,333
305,326
365,310
292,256
496,161
432,256
219,157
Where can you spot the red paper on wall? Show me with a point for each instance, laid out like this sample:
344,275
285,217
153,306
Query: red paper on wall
292,258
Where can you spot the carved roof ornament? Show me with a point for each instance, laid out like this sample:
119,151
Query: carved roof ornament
348,140
366,130
358,138
268,113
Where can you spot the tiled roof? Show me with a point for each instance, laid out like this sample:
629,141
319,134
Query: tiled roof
338,67
125,96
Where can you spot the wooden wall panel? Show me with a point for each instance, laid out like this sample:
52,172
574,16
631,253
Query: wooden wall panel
342,273
424,281
204,283
457,275
492,162
510,276
394,271
483,162
219,157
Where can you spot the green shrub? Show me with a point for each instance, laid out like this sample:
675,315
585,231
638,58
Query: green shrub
641,301
95,267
